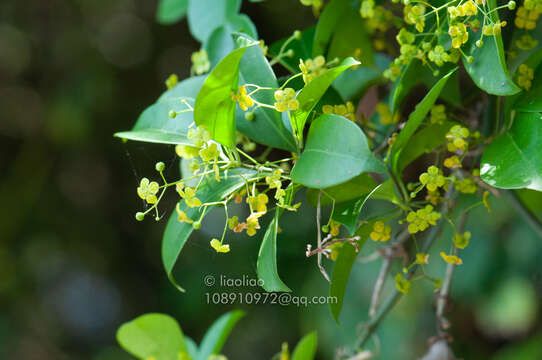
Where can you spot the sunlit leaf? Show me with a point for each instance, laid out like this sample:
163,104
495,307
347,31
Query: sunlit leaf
306,348
218,333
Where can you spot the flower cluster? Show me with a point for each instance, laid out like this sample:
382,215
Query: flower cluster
200,62
433,178
421,219
244,100
525,76
284,100
147,190
528,14
311,68
456,138
347,110
380,232
461,241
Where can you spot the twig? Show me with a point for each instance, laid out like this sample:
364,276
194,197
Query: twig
319,237
394,297
379,284
527,214
442,322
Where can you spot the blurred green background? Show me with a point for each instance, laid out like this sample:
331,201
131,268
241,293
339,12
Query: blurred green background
74,263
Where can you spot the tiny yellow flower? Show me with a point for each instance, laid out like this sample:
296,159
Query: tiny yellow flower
367,9
456,137
171,81
462,240
233,222
525,76
413,14
402,284
186,151
219,247
284,100
311,68
526,19
209,153
253,224
334,227
421,219
200,62
380,232
452,162
433,178
466,186
459,35
335,248
244,100
258,203
147,190
451,259
199,136
181,215
422,258
190,197
386,118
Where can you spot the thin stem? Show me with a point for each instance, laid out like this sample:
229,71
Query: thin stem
319,237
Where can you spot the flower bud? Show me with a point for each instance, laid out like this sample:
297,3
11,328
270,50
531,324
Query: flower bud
470,59
139,216
479,43
511,5
249,116
196,225
172,114
297,35
289,53
160,166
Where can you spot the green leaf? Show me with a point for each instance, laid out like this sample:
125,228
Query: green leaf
215,107
217,334
416,118
353,83
267,258
267,127
154,124
204,16
302,50
336,151
191,347
220,43
156,335
341,27
309,96
512,160
423,142
348,213
177,233
343,267
306,348
488,70
171,11
352,189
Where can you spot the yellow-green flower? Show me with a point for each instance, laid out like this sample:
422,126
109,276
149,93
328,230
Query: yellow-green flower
334,227
253,223
209,153
422,258
258,203
311,68
245,101
380,232
402,284
438,55
452,162
171,81
451,259
459,35
433,178
147,190
284,100
526,42
200,136
181,215
466,186
414,15
219,247
525,76
367,9
347,110
525,18
421,219
200,62
462,240
189,196
438,113
186,151
456,137
335,248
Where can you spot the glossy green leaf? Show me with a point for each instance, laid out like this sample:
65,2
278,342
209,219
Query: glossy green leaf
414,74
152,335
214,106
416,118
267,258
348,213
204,16
154,124
191,347
309,96
424,141
302,50
306,348
171,11
341,29
336,151
512,160
488,70
220,43
216,336
352,189
343,267
266,127
177,233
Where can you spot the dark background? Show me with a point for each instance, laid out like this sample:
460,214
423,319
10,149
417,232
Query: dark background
74,263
